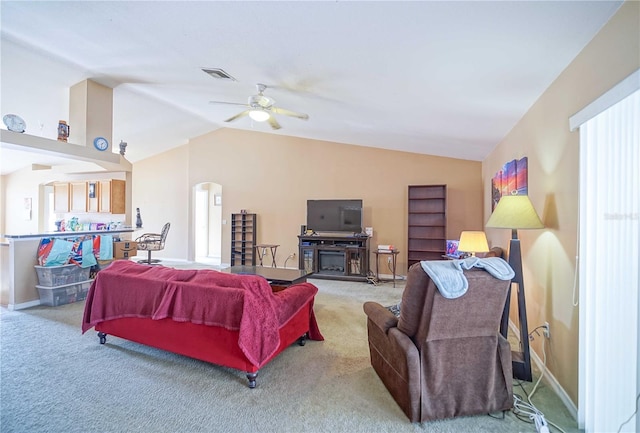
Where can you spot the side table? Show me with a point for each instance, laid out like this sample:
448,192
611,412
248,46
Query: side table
261,252
394,256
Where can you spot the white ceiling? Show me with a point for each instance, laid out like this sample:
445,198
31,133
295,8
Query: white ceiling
447,78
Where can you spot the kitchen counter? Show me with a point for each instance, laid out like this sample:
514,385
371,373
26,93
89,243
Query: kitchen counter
17,259
66,234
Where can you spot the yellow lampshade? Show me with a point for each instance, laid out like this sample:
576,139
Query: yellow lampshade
473,242
515,212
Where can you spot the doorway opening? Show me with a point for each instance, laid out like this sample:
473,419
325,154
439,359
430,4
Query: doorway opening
47,215
208,223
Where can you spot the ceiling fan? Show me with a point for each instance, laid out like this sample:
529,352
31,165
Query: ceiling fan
262,108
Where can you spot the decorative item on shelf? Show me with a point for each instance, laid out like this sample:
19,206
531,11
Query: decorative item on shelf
473,242
101,143
516,212
123,147
63,130
14,123
73,224
138,218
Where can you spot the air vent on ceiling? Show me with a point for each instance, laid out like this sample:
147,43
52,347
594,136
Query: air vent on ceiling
218,73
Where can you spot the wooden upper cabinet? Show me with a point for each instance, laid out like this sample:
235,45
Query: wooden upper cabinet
112,196
60,197
92,196
106,196
78,193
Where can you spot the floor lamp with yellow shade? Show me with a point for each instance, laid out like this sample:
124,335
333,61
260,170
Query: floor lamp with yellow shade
516,212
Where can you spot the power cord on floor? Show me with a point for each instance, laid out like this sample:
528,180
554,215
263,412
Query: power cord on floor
520,407
371,279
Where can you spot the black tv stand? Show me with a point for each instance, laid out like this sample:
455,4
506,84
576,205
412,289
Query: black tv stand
335,257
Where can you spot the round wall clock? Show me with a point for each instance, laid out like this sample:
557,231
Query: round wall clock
100,143
14,123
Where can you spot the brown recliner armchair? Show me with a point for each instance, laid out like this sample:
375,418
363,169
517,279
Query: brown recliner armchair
443,357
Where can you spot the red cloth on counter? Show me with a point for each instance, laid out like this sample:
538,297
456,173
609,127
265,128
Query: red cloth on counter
244,303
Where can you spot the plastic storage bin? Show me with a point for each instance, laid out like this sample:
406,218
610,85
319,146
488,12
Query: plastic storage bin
51,276
65,294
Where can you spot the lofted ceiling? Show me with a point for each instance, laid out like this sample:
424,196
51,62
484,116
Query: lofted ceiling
448,78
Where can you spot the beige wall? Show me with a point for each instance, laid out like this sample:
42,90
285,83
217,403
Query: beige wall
273,176
162,192
543,136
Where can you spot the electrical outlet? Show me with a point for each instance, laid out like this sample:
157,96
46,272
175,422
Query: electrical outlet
389,260
546,331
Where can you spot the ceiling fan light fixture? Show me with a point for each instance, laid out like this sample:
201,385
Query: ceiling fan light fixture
259,115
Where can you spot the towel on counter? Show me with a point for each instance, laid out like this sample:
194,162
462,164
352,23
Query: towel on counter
106,247
448,275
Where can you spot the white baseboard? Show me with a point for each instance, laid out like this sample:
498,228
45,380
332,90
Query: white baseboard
390,277
23,305
549,378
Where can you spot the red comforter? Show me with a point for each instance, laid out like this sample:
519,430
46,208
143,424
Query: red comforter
243,303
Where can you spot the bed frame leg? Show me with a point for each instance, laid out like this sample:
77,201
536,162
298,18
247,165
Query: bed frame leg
252,379
103,337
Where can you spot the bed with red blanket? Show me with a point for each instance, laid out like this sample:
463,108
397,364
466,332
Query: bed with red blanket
232,320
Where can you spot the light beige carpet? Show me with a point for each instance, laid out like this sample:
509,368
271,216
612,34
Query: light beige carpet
54,379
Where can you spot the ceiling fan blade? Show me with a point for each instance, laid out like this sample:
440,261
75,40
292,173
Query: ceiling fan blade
228,103
286,112
237,116
273,122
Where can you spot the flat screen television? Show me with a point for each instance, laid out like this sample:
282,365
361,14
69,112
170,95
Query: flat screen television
334,216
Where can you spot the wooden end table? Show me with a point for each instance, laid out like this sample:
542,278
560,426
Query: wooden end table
394,255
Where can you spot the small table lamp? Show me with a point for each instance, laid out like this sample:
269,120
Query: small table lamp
473,242
516,212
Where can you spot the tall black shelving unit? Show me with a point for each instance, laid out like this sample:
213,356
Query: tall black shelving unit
243,239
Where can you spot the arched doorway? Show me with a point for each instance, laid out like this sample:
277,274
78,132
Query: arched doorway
208,223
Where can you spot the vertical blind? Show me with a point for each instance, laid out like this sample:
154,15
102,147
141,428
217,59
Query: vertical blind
609,260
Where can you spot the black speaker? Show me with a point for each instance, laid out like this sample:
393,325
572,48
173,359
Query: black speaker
303,229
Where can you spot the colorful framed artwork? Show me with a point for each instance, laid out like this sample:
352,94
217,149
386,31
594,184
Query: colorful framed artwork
512,179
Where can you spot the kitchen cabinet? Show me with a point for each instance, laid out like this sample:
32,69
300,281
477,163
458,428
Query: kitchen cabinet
60,197
105,196
92,196
78,194
111,196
